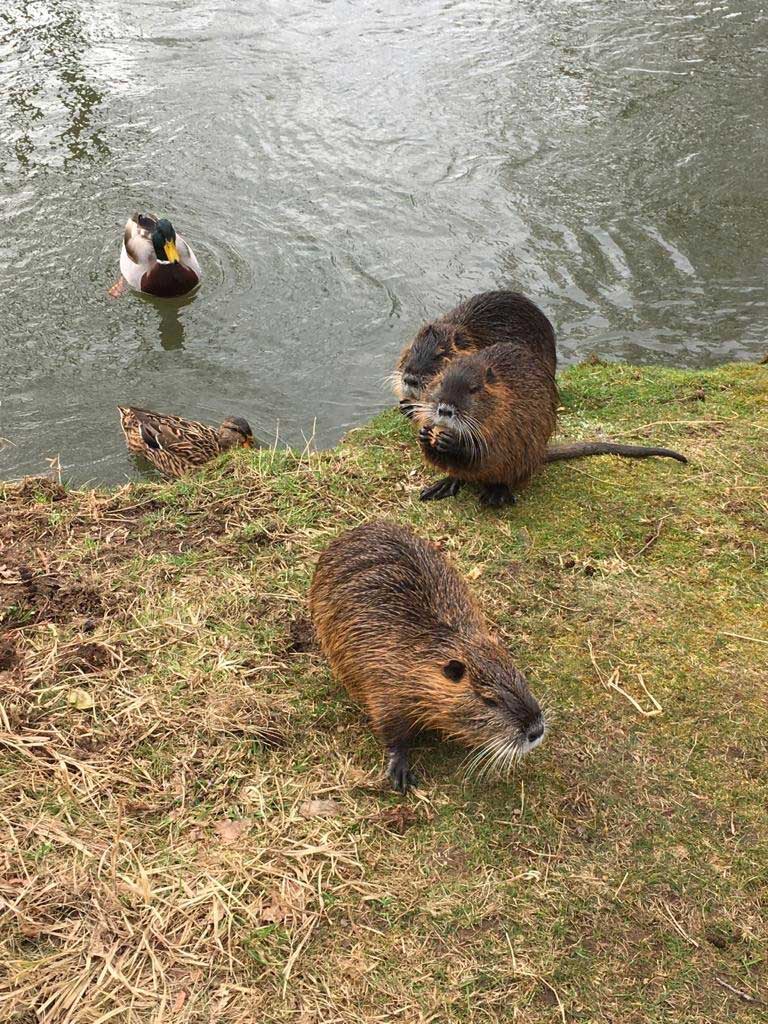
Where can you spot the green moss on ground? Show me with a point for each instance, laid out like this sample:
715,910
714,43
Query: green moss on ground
197,825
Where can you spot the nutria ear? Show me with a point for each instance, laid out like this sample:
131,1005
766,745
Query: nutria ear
454,670
490,376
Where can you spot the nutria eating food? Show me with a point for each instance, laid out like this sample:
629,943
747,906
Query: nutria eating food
490,318
487,419
406,638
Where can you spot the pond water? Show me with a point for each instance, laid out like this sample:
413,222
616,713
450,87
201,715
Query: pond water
345,169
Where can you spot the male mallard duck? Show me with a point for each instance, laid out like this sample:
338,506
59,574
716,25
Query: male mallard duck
155,260
174,445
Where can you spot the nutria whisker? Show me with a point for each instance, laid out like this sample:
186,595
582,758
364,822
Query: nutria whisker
476,432
548,715
464,432
497,762
481,755
504,759
478,754
422,411
482,767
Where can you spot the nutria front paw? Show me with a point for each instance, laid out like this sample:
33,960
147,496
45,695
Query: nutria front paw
400,776
496,495
448,487
447,443
425,437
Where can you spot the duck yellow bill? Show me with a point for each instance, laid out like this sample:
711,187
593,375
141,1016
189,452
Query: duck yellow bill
172,252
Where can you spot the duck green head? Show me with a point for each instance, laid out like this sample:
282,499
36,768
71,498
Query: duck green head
164,242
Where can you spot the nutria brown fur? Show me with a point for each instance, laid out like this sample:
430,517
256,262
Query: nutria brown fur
408,641
489,318
488,418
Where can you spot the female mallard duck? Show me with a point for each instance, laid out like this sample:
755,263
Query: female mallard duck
174,445
155,260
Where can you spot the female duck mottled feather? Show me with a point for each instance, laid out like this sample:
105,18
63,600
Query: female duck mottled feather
174,445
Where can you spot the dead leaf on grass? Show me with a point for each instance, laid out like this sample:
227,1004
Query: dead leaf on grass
178,1003
286,904
320,809
275,913
230,831
397,819
80,699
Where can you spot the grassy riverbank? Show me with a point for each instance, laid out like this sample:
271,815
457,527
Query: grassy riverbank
194,817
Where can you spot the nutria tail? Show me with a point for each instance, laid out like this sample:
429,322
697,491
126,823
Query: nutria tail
580,449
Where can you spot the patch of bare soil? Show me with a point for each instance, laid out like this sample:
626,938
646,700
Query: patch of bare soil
29,597
301,636
9,657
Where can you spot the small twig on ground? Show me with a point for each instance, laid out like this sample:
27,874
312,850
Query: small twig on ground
679,928
613,684
737,991
594,662
652,540
741,636
554,992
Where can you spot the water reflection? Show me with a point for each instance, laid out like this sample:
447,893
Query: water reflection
170,324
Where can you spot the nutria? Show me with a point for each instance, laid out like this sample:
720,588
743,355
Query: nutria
487,419
484,320
408,641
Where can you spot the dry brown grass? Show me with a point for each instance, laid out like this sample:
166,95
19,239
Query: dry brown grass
126,883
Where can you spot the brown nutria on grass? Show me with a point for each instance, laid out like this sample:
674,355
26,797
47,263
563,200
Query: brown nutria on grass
489,318
404,635
487,419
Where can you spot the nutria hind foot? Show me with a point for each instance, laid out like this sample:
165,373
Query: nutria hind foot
496,495
448,487
400,776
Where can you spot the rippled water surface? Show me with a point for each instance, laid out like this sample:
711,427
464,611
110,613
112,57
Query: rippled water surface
345,169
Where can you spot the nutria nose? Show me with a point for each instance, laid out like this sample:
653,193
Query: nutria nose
445,410
535,733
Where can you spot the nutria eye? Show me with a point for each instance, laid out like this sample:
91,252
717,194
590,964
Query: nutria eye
454,670
473,389
490,701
